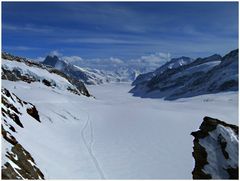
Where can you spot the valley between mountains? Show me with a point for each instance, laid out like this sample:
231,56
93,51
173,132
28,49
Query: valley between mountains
115,136
104,132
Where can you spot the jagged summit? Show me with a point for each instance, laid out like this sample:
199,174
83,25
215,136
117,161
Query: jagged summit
175,63
51,60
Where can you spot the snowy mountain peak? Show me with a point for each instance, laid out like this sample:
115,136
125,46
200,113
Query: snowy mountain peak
214,57
51,60
182,58
175,63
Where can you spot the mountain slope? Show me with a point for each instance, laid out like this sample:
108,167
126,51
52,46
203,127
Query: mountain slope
202,76
172,64
20,69
17,162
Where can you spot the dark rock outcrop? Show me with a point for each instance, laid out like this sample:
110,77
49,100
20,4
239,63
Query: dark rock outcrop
215,150
15,75
26,167
32,111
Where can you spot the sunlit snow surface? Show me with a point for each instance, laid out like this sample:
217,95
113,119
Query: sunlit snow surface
116,135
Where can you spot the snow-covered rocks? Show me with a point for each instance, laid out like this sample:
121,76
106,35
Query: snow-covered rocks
17,162
202,76
215,150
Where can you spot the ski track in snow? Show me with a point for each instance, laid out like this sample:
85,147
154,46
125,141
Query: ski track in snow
90,145
74,117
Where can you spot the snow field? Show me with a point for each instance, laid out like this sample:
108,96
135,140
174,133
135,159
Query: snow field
116,135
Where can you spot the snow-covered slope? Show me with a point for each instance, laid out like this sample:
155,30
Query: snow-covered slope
204,75
15,69
17,162
215,150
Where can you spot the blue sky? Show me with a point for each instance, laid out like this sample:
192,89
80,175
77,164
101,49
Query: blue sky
123,30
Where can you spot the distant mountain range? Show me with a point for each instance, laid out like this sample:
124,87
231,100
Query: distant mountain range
88,75
185,77
98,71
177,78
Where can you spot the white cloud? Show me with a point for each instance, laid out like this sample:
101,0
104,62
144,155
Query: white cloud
28,27
72,59
151,60
55,53
156,58
21,48
99,41
115,60
39,59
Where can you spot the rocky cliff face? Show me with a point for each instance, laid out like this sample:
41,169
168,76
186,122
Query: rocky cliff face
215,150
17,162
